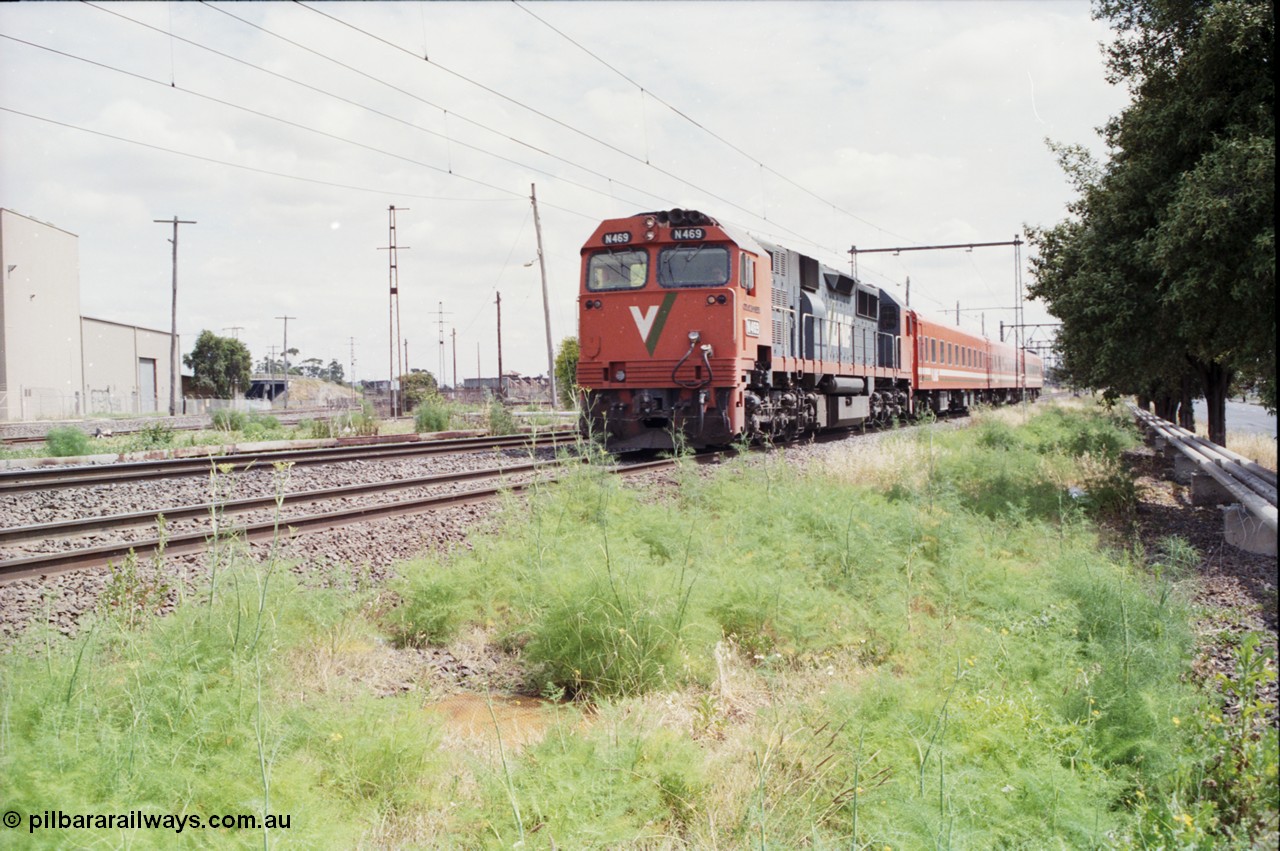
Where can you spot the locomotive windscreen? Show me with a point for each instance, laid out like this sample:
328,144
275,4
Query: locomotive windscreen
617,270
693,266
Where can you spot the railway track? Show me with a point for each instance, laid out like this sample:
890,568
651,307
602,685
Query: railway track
52,478
278,526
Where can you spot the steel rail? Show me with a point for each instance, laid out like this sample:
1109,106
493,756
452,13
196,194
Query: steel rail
1249,490
111,522
276,529
48,478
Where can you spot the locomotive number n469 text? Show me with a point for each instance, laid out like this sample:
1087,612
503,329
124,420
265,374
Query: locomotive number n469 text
688,233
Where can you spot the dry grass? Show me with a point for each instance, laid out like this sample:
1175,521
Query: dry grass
1260,447
877,463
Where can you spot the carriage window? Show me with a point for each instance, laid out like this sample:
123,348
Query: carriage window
933,349
617,270
693,266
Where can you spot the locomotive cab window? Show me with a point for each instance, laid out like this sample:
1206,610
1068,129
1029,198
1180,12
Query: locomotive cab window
625,269
746,272
693,266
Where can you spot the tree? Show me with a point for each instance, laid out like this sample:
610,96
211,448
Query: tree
220,366
567,371
416,387
334,372
1164,274
311,368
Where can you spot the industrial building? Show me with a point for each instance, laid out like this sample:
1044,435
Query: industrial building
54,362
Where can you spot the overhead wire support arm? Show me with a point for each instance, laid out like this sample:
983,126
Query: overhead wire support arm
854,250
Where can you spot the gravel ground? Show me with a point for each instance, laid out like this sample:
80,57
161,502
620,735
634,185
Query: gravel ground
357,553
1233,592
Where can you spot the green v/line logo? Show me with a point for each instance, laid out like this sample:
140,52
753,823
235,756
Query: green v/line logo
650,322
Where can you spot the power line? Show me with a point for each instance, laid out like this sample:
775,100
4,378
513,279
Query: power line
215,161
700,125
446,112
294,124
546,116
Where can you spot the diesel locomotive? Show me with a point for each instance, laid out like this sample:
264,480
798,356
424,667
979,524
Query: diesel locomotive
694,333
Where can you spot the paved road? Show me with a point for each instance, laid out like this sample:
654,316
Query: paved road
1241,417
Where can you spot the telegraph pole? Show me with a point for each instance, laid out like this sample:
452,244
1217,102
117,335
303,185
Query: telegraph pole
174,368
454,332
499,303
235,330
285,354
352,378
546,308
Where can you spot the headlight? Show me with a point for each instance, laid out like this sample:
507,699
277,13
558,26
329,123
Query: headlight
620,375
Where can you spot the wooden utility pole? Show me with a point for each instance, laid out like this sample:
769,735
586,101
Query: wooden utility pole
174,368
352,377
499,303
546,308
285,354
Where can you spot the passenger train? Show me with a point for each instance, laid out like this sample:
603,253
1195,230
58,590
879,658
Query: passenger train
693,333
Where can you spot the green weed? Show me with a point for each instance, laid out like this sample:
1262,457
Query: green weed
66,441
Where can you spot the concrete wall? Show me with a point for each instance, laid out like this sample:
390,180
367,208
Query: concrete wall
40,370
118,363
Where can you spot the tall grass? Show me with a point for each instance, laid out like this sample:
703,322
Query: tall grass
947,660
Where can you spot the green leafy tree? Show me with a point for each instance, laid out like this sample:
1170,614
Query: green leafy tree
1164,274
417,387
567,371
334,373
220,366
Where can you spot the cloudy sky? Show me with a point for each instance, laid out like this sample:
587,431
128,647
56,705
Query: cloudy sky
286,130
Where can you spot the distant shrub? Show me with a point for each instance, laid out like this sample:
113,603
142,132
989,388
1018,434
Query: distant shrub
432,414
365,423
262,426
317,429
500,420
66,441
226,419
152,436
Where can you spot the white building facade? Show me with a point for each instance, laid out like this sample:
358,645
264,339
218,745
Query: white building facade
54,363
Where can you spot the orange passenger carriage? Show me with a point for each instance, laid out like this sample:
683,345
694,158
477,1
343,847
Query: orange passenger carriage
694,333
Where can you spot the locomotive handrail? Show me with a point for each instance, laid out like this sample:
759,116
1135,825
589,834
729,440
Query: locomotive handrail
1241,480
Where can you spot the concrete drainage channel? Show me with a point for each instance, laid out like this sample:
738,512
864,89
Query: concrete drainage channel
1218,476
